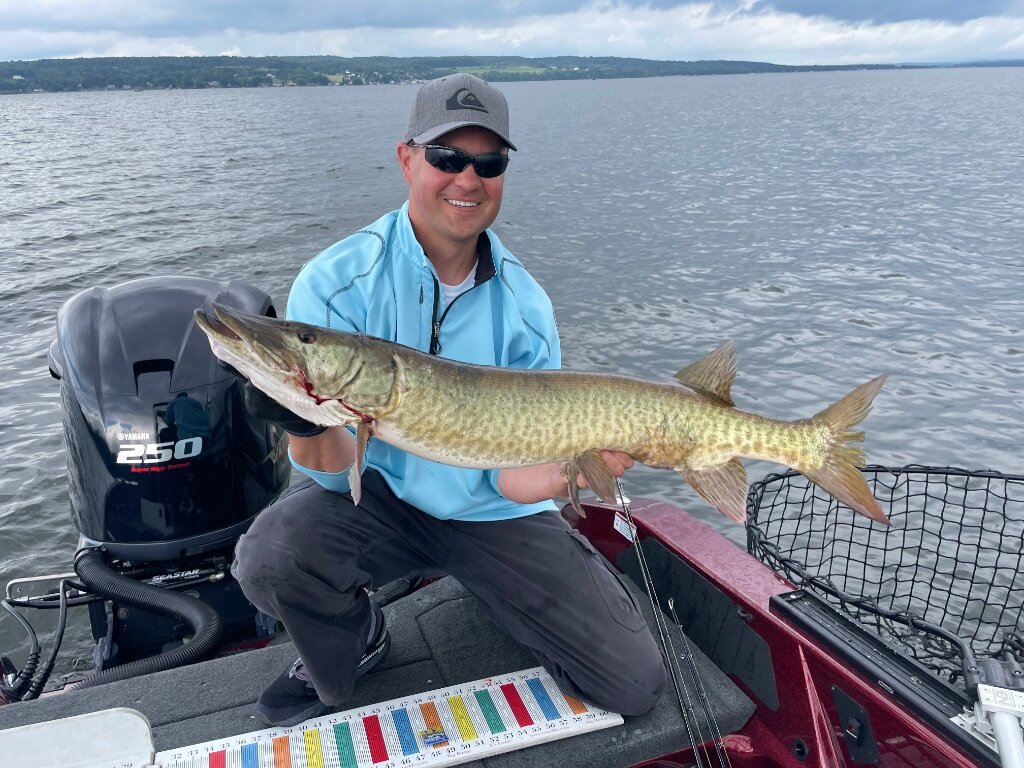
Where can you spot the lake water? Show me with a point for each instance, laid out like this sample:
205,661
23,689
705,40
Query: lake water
836,225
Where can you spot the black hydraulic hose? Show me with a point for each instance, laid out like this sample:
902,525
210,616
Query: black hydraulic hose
205,621
44,673
24,677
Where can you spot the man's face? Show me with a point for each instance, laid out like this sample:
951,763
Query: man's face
451,208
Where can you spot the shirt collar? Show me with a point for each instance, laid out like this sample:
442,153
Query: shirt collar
484,260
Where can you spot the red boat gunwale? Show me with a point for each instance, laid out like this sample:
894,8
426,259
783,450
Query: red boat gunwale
805,730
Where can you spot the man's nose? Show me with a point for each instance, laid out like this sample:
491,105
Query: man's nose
468,176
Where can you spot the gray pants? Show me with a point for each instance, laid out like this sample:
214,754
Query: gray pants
308,558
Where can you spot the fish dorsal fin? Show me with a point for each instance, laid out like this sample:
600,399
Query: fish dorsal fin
712,376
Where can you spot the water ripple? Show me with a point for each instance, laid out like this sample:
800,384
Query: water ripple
836,225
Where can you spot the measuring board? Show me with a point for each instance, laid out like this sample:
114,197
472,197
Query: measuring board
447,726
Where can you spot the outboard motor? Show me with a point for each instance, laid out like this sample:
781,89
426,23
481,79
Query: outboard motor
165,467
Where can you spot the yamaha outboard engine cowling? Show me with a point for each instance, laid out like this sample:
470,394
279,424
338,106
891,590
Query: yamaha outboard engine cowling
166,469
163,459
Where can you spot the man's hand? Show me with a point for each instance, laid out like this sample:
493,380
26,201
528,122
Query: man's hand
546,481
617,461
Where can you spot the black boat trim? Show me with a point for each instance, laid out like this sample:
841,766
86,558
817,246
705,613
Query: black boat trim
909,682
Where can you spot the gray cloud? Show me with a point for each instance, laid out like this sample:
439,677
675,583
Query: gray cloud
886,11
169,18
783,31
174,18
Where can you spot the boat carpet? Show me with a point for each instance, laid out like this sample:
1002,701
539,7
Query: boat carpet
440,637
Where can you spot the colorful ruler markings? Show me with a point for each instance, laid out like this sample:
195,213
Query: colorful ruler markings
438,728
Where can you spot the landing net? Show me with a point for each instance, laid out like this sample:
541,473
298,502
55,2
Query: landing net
950,563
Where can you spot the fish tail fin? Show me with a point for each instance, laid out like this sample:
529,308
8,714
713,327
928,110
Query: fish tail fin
838,473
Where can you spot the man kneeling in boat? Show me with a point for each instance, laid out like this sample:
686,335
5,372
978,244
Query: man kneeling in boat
431,275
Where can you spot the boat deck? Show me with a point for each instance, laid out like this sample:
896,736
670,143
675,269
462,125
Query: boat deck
440,637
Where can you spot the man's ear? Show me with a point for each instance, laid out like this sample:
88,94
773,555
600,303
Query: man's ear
405,158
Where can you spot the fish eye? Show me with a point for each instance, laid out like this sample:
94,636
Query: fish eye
307,337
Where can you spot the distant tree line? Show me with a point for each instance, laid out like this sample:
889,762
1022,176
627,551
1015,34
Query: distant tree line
266,71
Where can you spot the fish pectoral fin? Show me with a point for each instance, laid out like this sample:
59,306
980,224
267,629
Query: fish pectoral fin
598,474
712,376
724,487
355,473
571,472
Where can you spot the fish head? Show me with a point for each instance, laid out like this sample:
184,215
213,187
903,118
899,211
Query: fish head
326,377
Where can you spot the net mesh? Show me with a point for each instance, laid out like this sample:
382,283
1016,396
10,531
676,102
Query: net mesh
949,563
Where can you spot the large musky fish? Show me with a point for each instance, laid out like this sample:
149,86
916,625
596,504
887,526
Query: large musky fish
485,417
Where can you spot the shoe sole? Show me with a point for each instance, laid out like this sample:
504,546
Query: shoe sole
308,714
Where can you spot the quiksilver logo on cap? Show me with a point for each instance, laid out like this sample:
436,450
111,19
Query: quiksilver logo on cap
464,99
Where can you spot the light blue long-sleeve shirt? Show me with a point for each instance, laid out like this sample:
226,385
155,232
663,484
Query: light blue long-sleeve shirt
379,281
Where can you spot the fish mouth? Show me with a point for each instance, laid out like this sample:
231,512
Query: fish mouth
214,326
258,347
261,336
247,328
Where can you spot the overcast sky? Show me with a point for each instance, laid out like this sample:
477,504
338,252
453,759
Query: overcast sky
780,31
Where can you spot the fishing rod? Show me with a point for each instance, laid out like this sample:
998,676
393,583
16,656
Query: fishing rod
668,652
690,719
702,695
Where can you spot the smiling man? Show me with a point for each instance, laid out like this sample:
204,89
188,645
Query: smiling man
431,275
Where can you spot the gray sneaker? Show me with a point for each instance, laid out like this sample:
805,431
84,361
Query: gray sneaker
292,699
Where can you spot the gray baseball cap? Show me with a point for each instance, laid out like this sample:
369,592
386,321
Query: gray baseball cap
455,101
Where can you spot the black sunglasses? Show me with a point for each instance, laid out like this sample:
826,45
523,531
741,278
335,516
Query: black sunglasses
487,165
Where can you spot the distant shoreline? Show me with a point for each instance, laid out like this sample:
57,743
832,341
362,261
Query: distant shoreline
197,72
